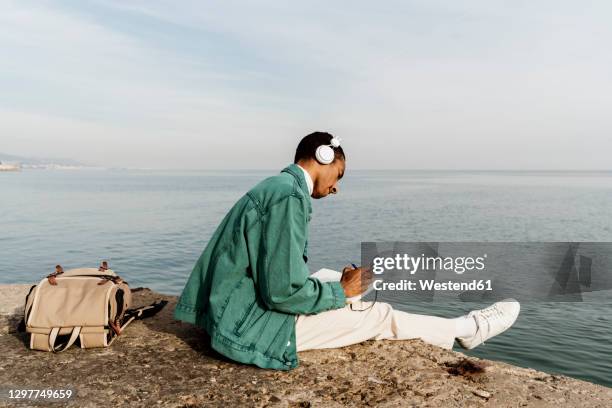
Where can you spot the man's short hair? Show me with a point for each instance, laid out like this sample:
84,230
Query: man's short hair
308,146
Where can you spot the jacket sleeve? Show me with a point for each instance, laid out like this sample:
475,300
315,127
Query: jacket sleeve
283,278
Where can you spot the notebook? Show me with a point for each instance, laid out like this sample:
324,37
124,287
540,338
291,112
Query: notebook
329,275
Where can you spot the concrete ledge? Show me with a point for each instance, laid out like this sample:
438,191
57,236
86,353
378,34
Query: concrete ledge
161,362
12,301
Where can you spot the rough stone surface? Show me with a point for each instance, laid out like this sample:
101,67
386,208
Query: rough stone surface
165,363
12,300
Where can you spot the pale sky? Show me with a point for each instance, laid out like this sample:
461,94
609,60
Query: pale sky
236,84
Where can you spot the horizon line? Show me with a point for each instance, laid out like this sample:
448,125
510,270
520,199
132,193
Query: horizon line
358,169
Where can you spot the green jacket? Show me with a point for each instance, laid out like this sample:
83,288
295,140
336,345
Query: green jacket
252,279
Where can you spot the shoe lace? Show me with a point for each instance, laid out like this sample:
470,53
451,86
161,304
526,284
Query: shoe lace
491,312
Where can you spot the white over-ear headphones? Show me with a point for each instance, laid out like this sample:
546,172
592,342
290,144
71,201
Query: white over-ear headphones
325,153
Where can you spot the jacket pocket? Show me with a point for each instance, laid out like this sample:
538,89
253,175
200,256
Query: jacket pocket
278,345
305,254
243,322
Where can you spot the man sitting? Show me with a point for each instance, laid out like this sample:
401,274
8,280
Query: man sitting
251,290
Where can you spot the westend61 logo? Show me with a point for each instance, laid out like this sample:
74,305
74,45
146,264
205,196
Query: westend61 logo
479,271
412,264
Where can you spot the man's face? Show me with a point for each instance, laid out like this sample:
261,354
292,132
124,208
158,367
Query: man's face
327,181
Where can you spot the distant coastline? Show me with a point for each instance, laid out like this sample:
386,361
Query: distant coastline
9,162
9,167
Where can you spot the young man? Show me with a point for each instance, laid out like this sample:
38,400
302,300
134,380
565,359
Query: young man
251,291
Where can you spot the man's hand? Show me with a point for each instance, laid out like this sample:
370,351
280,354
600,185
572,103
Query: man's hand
355,281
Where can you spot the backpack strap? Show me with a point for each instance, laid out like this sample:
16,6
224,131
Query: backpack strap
144,312
137,314
53,337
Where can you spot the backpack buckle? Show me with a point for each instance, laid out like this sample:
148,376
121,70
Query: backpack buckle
115,327
51,277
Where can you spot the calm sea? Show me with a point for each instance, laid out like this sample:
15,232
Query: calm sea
153,225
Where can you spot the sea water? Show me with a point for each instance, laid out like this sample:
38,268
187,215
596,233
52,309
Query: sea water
152,225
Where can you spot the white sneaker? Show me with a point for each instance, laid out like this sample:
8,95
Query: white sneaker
491,321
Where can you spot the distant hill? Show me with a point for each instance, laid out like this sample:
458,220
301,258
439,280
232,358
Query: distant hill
40,161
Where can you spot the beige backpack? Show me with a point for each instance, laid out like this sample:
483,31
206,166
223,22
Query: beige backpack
88,304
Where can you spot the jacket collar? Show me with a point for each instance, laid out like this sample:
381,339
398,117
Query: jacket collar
308,179
296,172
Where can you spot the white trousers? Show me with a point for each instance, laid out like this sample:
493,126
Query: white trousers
342,327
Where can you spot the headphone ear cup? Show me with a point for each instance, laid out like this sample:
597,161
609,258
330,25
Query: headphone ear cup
324,154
